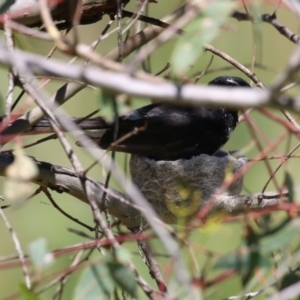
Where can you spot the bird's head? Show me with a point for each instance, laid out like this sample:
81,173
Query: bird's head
230,81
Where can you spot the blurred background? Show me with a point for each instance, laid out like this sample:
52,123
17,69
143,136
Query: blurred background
38,218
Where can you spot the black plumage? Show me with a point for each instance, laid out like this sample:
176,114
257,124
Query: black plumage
174,132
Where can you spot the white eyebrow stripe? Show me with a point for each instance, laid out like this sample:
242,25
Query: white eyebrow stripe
231,81
133,115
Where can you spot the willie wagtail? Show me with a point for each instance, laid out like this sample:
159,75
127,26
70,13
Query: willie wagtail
164,131
171,132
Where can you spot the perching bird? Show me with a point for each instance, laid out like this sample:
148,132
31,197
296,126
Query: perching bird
170,132
164,131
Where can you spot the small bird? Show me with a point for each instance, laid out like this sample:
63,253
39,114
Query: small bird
163,131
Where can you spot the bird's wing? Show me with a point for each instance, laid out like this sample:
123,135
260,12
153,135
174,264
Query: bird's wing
140,113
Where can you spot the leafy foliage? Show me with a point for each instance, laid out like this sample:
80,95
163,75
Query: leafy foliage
100,280
201,30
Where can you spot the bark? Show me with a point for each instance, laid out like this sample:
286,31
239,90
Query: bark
27,12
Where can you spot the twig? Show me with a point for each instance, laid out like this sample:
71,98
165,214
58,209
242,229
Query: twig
29,31
281,270
271,19
153,266
105,242
261,150
80,233
287,75
18,248
47,193
189,13
119,21
28,13
125,83
63,280
282,157
279,166
96,43
11,84
235,63
146,19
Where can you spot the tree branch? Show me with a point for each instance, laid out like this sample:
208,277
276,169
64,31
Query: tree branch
27,12
271,19
65,180
166,90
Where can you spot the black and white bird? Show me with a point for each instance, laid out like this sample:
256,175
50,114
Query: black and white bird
164,131
174,132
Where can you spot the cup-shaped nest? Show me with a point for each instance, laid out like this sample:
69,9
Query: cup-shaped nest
178,189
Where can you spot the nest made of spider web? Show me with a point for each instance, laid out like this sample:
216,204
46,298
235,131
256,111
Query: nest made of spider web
178,189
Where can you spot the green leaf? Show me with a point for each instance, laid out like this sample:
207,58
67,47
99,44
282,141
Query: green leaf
243,259
123,277
28,294
288,181
106,99
203,29
19,174
242,262
288,280
106,105
6,5
282,238
39,254
123,255
95,283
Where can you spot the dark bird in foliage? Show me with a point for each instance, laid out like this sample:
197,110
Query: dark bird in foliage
171,132
164,131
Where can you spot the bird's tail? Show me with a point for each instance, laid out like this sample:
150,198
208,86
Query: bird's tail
94,127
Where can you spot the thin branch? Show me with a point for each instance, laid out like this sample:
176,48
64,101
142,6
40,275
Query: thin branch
189,13
11,84
124,83
235,63
289,74
150,20
63,280
281,271
18,248
271,19
47,193
153,266
10,262
28,13
24,30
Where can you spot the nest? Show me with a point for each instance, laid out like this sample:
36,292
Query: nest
178,189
